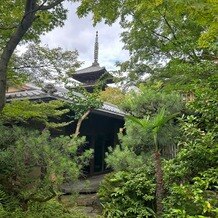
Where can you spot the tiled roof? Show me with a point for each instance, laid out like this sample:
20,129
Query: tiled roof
93,68
26,94
61,93
112,109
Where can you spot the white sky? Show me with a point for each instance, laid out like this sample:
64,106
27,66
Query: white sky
79,34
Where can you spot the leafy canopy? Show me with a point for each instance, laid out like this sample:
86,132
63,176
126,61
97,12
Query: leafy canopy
158,32
12,14
40,63
26,111
112,95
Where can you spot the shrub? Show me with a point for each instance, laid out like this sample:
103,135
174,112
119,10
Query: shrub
196,199
34,165
191,177
128,194
123,158
49,209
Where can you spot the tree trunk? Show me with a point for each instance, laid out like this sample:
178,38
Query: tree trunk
79,123
2,85
24,25
159,183
11,45
24,204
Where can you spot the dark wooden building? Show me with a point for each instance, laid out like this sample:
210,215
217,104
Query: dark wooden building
100,128
102,125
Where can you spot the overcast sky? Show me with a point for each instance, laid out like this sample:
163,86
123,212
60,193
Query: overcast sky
80,34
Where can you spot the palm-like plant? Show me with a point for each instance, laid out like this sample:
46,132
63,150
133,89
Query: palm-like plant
154,125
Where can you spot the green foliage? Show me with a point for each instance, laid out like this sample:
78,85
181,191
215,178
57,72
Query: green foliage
196,199
39,63
7,202
15,79
153,131
153,125
205,106
12,14
3,213
150,99
186,77
33,165
199,150
49,209
25,110
98,10
112,95
153,110
83,102
199,141
191,177
123,158
157,32
128,193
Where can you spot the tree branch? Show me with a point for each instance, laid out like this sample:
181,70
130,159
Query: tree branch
79,123
30,67
51,5
168,24
162,36
152,31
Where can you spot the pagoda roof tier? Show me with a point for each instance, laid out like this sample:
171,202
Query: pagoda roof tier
90,73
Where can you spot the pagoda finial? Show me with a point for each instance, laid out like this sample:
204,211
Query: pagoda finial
96,50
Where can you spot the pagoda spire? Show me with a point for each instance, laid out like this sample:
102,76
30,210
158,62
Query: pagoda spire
95,63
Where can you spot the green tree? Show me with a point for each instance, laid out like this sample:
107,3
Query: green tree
34,164
148,101
192,191
153,25
112,95
149,131
157,32
149,98
83,103
153,126
26,111
128,193
39,63
24,21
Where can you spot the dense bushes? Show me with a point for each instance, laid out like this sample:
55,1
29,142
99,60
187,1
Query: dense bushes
34,165
196,198
128,193
47,209
190,177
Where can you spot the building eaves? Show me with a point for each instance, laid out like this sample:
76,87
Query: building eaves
61,94
91,69
27,94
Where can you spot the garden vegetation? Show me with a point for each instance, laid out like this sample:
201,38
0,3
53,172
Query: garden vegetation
166,162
